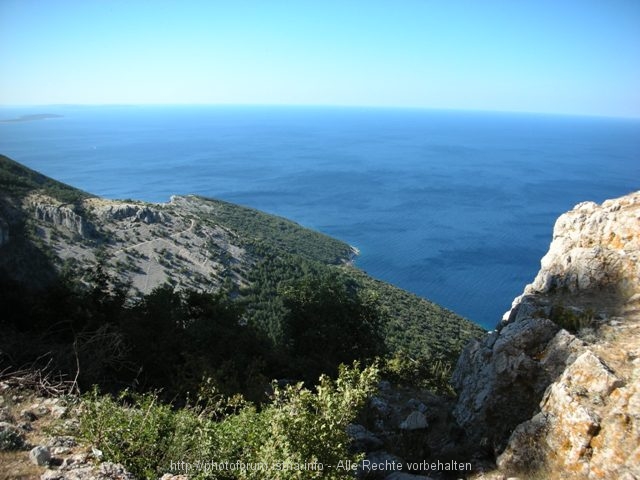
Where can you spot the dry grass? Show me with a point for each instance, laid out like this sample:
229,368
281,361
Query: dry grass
16,466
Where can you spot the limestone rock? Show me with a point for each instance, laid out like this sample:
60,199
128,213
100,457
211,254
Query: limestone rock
501,378
75,461
58,411
62,216
62,441
136,213
593,247
113,471
40,456
81,470
577,394
415,421
53,475
576,432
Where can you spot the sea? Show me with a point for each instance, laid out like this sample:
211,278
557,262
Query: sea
457,207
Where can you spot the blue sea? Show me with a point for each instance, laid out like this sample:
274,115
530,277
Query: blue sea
457,207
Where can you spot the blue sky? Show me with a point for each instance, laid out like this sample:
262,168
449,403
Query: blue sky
562,56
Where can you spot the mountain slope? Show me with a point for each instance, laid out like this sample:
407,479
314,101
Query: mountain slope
193,243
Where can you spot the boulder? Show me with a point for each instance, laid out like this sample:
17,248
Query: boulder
415,421
40,456
363,439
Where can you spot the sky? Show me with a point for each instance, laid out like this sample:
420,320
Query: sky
579,57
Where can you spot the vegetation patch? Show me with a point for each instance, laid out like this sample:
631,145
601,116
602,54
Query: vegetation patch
18,180
572,319
299,434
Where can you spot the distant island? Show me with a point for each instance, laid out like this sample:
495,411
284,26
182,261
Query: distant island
30,118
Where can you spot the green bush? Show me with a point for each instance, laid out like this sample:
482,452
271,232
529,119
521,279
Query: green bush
422,371
140,432
10,440
300,434
572,320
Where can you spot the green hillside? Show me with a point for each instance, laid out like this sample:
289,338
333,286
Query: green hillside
17,180
291,306
277,233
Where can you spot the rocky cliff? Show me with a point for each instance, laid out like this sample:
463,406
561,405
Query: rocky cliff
146,245
62,216
555,390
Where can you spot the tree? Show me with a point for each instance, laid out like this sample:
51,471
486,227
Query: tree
329,322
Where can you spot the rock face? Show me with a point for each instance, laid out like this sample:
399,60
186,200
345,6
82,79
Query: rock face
593,247
556,389
136,213
501,378
62,216
143,245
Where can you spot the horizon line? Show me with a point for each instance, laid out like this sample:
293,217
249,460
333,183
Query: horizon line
324,105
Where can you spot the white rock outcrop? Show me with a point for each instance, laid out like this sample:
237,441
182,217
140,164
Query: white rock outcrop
414,421
555,391
593,247
62,216
135,213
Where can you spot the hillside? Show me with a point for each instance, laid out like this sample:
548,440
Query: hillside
552,393
203,245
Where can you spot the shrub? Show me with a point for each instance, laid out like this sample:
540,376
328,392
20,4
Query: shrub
299,435
140,432
310,428
572,319
10,439
423,371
